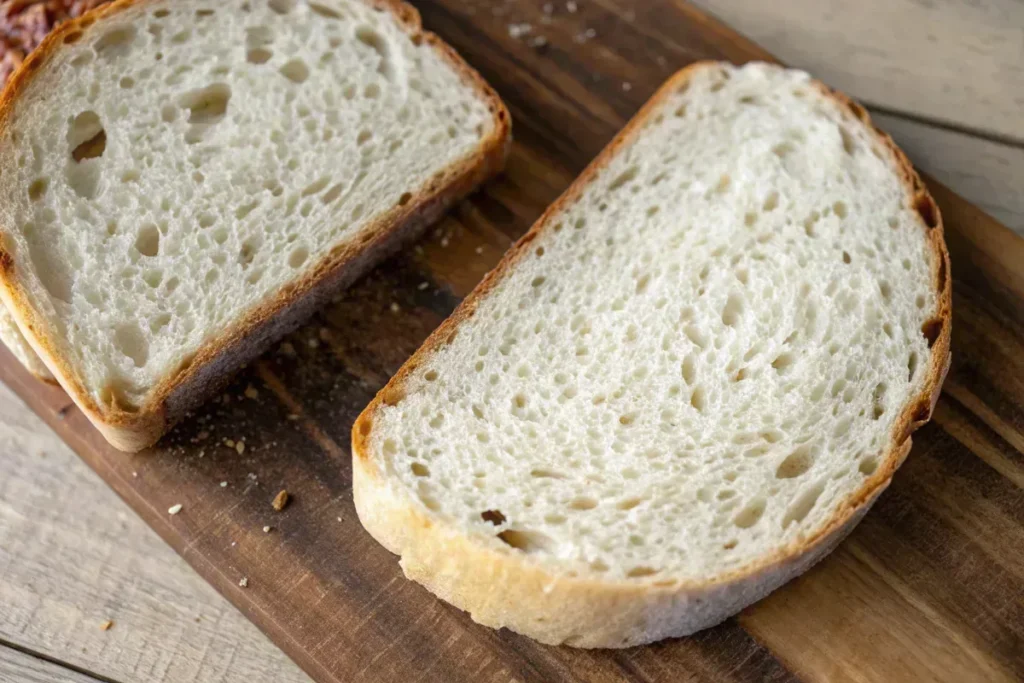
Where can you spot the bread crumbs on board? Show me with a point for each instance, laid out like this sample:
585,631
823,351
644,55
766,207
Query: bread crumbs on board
280,500
174,509
107,625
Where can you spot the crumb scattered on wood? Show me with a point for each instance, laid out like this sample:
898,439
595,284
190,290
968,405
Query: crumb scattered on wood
314,343
107,625
230,443
251,392
280,500
267,529
174,509
244,581
395,308
240,447
423,285
223,484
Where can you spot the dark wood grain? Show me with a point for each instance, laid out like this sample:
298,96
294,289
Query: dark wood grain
929,587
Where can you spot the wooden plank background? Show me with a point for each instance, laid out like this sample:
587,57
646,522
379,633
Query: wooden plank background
945,78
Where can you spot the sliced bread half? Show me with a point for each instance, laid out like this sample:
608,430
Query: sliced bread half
684,385
185,180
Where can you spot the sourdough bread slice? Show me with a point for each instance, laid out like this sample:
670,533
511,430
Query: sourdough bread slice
184,181
14,340
684,385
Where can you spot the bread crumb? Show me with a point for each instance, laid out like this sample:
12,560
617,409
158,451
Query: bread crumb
395,308
267,529
174,509
537,41
280,500
287,349
251,476
107,625
134,473
252,392
223,484
244,581
479,250
444,242
314,343
423,285
627,86
571,7
519,30
292,416
240,447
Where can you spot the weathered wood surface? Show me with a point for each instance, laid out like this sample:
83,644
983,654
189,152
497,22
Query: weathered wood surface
929,587
18,667
73,556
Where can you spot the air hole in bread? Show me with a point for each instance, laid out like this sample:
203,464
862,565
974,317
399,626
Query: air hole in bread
130,342
868,465
802,505
369,37
324,10
115,42
582,503
849,144
419,469
282,6
147,241
258,55
37,189
206,105
298,256
925,206
912,366
295,70
795,464
640,572
839,208
625,177
181,36
698,399
931,330
733,310
493,516
527,541
783,362
771,201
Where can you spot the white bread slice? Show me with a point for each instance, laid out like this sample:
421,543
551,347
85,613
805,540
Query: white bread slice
684,385
185,180
13,339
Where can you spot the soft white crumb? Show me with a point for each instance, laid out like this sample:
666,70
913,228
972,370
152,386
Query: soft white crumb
174,509
243,582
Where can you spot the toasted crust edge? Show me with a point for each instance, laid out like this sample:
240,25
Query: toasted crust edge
132,430
502,588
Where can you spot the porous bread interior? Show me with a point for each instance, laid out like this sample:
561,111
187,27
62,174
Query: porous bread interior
178,163
698,360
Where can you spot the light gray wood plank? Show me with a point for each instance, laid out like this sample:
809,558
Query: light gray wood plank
985,173
18,667
948,60
72,555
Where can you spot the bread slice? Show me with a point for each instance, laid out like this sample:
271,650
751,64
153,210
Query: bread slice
185,180
13,339
684,385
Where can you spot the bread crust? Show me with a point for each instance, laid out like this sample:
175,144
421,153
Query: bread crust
130,428
504,587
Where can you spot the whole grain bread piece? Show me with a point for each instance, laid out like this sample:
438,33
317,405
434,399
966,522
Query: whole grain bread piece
684,385
185,182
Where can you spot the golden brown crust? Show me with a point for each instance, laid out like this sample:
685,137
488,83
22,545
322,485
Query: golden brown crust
132,429
606,599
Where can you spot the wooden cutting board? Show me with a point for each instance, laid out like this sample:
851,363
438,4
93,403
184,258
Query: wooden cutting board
929,587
